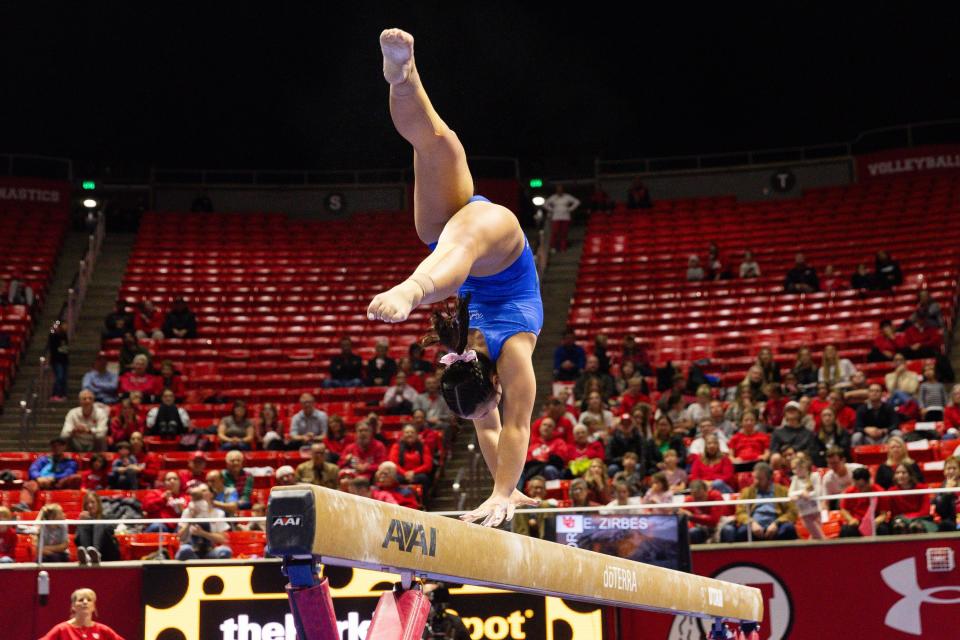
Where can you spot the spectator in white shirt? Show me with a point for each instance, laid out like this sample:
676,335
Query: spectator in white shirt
560,205
399,399
839,474
749,267
434,407
207,540
85,427
835,371
707,428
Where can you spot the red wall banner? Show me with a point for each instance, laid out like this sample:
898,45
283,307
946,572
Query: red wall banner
908,162
30,193
118,590
895,589
877,589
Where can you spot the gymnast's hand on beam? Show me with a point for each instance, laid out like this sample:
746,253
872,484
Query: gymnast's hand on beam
396,304
497,509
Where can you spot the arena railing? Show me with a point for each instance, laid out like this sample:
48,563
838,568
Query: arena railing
31,525
897,136
39,387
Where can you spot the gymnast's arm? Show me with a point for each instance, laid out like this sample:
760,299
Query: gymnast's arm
479,239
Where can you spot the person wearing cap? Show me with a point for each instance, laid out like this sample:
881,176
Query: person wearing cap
793,434
317,470
285,476
51,471
101,382
180,322
196,471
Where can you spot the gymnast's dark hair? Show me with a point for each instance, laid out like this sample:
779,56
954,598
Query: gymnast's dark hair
464,385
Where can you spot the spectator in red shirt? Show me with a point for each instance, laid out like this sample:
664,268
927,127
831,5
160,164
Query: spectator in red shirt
885,345
148,321
853,510
920,340
8,537
634,395
546,454
196,471
846,416
169,378
167,502
556,410
363,456
95,478
427,434
821,400
702,521
83,607
905,514
773,409
598,483
360,486
713,466
413,458
582,450
414,379
150,461
387,480
124,424
748,444
337,439
268,428
139,379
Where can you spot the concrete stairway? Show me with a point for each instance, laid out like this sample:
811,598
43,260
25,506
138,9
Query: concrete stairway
101,294
559,283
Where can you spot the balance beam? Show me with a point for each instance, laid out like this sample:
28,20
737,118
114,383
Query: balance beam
307,521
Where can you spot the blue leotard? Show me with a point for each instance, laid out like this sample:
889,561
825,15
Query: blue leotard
505,303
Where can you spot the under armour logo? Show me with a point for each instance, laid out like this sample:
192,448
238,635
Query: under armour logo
904,615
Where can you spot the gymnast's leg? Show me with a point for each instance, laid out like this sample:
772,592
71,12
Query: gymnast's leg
442,180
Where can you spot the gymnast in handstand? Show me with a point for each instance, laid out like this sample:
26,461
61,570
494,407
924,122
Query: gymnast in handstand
479,253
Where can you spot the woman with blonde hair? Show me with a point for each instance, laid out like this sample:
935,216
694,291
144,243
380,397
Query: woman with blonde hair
83,607
897,454
95,542
52,541
835,371
805,488
598,484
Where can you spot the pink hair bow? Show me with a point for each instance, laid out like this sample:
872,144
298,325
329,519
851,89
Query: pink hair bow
466,356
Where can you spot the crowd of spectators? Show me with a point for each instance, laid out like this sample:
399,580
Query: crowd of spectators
127,405
781,432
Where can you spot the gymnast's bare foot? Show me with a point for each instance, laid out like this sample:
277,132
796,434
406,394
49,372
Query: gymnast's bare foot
396,304
397,47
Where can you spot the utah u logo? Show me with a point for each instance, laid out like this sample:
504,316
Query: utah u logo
905,614
408,535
